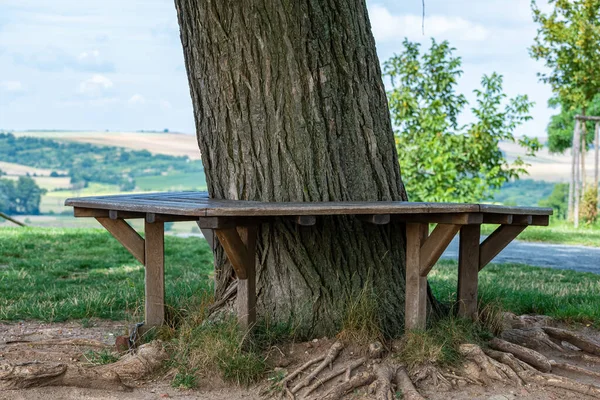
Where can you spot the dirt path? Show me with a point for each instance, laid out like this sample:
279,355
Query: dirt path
34,341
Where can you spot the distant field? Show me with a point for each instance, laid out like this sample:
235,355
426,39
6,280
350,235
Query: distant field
67,221
175,144
546,166
18,169
172,182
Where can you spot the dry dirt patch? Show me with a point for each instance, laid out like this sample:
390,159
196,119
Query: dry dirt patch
68,342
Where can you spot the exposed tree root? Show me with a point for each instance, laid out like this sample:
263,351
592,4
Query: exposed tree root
531,357
347,370
575,338
521,355
299,370
575,368
583,357
483,368
385,374
333,352
561,382
406,386
35,374
534,338
357,381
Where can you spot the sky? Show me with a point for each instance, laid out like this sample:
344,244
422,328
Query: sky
118,64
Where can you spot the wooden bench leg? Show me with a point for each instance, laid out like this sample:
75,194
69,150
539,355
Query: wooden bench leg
246,292
416,285
468,270
240,246
155,274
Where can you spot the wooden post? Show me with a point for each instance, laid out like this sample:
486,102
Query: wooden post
246,290
155,279
570,202
468,270
597,156
416,285
577,181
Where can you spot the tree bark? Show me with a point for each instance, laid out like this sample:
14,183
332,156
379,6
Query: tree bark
290,105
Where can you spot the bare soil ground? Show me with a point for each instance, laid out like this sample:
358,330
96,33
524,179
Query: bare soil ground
69,342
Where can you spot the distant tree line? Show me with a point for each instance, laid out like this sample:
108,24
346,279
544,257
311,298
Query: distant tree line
86,163
22,196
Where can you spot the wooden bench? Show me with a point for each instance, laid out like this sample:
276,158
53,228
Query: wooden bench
234,223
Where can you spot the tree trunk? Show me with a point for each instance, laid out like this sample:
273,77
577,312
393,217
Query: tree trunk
290,106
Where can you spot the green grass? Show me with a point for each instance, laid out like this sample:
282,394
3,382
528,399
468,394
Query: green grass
57,275
173,181
559,232
100,357
565,295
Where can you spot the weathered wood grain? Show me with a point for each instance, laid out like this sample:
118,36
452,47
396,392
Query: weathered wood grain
236,251
497,241
126,235
198,204
246,289
416,285
375,219
468,270
435,245
439,218
155,274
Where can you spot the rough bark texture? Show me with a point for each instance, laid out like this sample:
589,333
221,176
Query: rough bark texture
290,106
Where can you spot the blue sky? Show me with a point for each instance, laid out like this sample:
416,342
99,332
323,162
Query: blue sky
118,64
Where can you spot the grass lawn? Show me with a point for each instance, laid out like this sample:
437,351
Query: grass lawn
565,295
559,232
174,181
60,274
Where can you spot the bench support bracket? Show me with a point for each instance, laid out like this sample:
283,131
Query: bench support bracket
497,241
240,246
126,235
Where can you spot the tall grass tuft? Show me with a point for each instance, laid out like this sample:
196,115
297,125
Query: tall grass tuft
361,324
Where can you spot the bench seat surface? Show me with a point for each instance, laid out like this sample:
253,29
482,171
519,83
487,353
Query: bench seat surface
199,204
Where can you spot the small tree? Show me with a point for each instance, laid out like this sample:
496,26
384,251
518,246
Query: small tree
441,159
568,41
561,126
557,200
589,206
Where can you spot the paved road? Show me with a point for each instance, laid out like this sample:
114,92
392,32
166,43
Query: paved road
578,258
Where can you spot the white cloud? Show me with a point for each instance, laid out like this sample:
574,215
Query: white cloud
95,85
387,26
89,55
11,86
136,99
